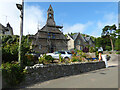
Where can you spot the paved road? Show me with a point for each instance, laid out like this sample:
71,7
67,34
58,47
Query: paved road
103,78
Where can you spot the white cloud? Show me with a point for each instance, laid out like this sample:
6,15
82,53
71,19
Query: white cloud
94,28
108,19
78,27
33,16
10,13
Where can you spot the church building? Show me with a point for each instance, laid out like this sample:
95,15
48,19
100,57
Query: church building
49,38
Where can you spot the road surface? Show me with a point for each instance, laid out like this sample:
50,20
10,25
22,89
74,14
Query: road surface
103,78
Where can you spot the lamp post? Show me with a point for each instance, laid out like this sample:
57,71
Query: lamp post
21,8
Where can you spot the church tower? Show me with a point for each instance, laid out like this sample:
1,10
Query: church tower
50,16
49,38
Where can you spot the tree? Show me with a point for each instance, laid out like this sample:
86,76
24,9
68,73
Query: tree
102,42
118,32
117,41
109,32
117,44
10,47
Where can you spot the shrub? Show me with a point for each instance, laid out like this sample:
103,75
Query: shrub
13,74
108,48
10,47
110,52
96,54
49,58
60,58
28,60
117,52
42,59
82,54
92,49
76,59
73,53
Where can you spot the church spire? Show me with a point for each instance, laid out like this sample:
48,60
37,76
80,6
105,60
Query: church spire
50,12
50,8
50,16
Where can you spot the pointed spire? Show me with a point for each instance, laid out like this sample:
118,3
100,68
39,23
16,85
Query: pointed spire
50,8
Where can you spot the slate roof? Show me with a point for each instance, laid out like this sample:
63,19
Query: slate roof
3,27
86,39
74,36
50,29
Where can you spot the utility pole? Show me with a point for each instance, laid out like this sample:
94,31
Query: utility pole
21,8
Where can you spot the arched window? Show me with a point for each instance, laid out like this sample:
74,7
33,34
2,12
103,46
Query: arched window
50,15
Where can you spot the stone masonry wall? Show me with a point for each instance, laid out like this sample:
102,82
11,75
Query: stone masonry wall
40,73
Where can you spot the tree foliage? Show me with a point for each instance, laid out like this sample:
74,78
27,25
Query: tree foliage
109,32
110,35
10,47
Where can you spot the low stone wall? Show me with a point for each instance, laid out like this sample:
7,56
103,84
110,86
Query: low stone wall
40,73
91,54
110,52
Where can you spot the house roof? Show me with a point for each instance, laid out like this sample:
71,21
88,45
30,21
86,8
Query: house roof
47,28
86,39
3,27
74,36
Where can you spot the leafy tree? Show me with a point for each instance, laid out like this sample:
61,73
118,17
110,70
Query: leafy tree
109,32
10,47
117,44
118,32
108,48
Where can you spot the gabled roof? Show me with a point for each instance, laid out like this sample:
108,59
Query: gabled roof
74,36
86,39
46,28
3,27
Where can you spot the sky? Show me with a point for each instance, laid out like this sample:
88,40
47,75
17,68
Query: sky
84,17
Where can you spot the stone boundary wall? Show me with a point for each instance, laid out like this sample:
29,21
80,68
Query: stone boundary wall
40,73
91,54
108,52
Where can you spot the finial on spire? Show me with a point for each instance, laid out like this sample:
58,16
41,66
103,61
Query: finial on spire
50,8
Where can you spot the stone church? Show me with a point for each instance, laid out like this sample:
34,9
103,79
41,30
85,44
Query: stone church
49,38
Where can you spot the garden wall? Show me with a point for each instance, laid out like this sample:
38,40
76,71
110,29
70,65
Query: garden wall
110,52
40,73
